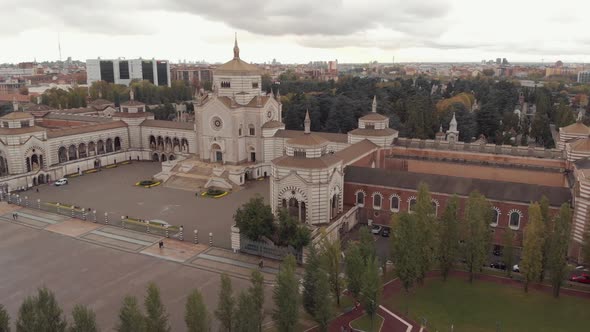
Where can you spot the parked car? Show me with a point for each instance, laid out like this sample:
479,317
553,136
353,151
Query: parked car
498,265
385,232
497,252
516,268
61,182
581,278
376,229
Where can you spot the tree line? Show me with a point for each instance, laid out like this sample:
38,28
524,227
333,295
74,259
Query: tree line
420,242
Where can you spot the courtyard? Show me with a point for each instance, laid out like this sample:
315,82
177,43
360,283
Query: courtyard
114,191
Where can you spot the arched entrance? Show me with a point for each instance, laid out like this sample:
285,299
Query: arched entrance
109,145
62,154
100,147
251,154
216,153
82,152
41,179
164,158
34,181
171,157
152,142
156,157
72,153
47,178
3,166
117,144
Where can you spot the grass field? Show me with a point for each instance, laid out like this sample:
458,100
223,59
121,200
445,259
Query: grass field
482,306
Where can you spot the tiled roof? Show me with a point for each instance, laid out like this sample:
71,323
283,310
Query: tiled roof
374,117
85,129
373,132
39,107
252,103
132,103
9,97
493,190
308,140
236,65
325,161
356,150
133,115
168,124
576,128
18,131
75,117
273,124
101,101
17,116
332,137
581,145
79,110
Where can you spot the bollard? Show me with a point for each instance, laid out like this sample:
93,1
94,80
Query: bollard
148,226
39,204
167,235
73,208
84,214
26,201
196,236
210,239
106,218
123,221
94,213
181,235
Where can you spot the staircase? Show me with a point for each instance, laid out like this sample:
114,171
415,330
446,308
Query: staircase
195,175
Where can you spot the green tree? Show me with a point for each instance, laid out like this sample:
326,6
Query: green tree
332,255
245,316
196,315
448,246
477,234
354,268
548,230
4,320
226,305
404,249
286,297
156,318
41,313
323,310
130,317
313,270
257,294
508,250
532,251
84,320
255,219
371,289
291,232
565,115
426,237
366,245
558,245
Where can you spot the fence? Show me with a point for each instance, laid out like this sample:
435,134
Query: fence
268,250
96,216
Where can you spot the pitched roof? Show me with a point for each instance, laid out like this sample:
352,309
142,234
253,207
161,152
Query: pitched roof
75,117
308,140
575,128
17,116
101,101
324,161
583,163
18,131
167,124
373,132
132,103
273,124
39,107
581,145
374,117
85,129
356,150
332,137
236,66
493,190
133,115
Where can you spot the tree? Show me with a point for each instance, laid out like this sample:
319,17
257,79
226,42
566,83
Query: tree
367,245
426,237
508,250
532,251
84,320
313,269
404,249
245,316
448,248
291,232
558,244
286,297
226,305
130,317
371,289
354,268
4,320
196,316
478,214
332,256
257,294
41,313
156,318
548,230
255,219
323,310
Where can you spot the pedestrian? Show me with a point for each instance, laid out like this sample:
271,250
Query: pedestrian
261,264
37,190
13,216
161,244
16,215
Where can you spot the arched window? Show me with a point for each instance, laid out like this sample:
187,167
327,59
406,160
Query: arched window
360,198
100,147
394,203
62,153
412,204
515,219
251,130
82,150
91,149
434,207
495,217
117,144
109,145
377,199
72,153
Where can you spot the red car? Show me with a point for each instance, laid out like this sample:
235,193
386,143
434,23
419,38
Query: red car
582,278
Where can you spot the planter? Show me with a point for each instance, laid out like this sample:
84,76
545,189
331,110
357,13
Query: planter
148,183
213,193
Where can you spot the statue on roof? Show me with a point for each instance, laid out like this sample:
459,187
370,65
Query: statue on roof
374,106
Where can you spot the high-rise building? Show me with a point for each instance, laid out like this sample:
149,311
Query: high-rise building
584,77
123,71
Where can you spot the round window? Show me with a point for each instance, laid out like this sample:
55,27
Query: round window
216,123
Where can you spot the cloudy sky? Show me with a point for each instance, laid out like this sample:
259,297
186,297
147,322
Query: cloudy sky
297,31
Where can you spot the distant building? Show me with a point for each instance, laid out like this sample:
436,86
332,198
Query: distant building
584,77
195,75
122,71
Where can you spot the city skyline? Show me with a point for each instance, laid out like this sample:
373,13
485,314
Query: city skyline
352,32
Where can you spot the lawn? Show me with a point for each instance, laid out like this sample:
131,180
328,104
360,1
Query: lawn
482,306
363,323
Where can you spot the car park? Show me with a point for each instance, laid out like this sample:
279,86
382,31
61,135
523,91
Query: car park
61,182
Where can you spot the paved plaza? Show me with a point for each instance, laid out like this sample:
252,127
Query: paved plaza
97,265
113,191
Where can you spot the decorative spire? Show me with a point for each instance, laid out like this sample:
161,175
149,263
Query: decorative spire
453,125
307,123
374,108
14,104
131,94
236,48
278,96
